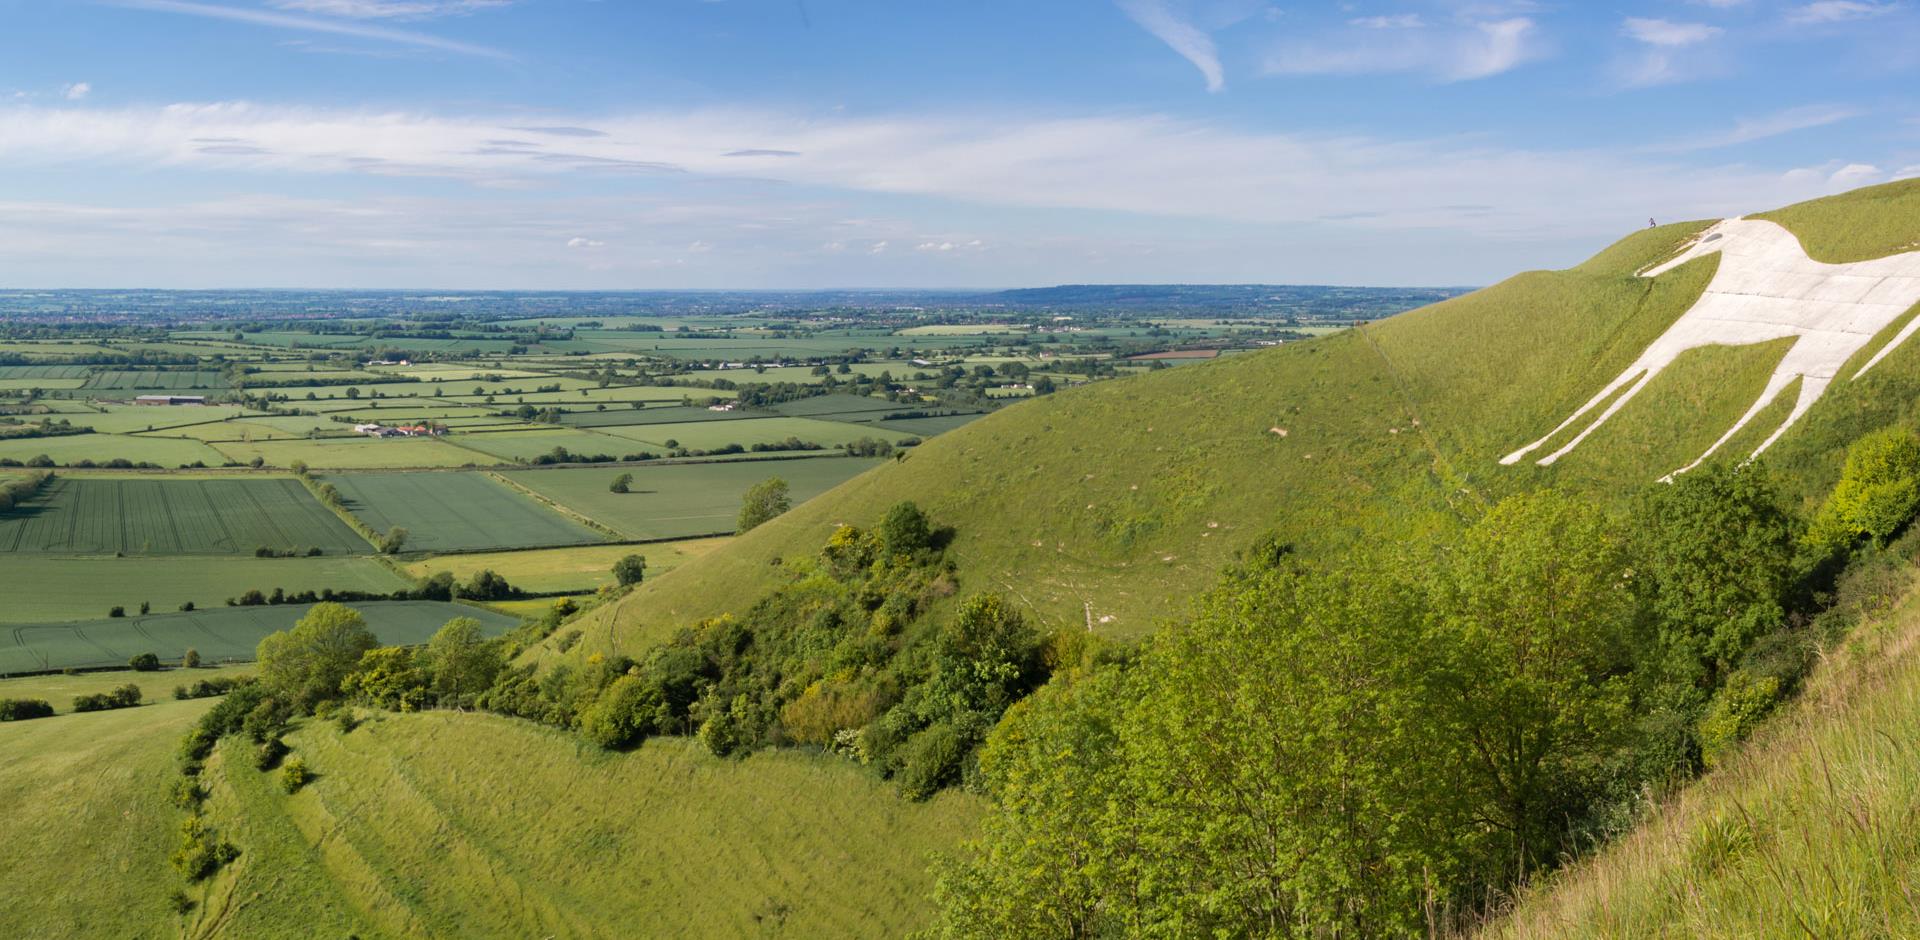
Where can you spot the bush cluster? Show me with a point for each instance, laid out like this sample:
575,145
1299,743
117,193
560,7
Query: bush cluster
126,696
22,709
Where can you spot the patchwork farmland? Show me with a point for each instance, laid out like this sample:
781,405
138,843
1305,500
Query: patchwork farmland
220,634
457,511
175,517
677,501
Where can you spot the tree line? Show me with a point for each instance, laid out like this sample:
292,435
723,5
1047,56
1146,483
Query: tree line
1388,743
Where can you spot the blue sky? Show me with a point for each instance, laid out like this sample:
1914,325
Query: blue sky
551,144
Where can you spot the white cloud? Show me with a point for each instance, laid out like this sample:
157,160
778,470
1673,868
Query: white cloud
76,91
1668,34
1856,174
1207,199
1395,21
699,247
314,25
389,9
1477,49
1838,11
1747,130
1193,43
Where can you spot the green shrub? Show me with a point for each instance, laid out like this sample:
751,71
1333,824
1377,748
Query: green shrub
626,712
1741,703
269,753
22,709
188,793
145,662
201,851
932,760
1878,492
294,775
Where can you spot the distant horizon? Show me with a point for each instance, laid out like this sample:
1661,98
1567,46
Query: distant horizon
681,145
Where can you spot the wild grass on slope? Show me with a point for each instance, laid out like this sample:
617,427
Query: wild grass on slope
1813,831
1856,226
87,825
451,824
1108,506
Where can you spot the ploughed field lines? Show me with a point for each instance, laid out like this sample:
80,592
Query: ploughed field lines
458,511
175,517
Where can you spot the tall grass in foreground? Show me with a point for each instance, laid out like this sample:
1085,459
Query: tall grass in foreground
1812,831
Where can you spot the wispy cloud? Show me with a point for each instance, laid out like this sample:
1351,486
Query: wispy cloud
389,9
1192,42
1667,52
1460,52
1748,130
76,91
311,24
1394,21
1142,164
1667,33
1838,11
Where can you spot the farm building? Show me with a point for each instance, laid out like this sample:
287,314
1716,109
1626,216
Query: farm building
170,400
405,430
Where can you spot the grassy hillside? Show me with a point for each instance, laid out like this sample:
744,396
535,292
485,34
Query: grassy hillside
1857,226
89,822
445,824
1810,832
1107,506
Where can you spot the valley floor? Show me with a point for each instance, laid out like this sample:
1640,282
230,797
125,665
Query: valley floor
457,824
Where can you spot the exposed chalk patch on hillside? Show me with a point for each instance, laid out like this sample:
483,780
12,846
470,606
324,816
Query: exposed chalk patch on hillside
1766,288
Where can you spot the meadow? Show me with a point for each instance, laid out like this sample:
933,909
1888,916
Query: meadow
220,634
175,517
85,588
668,501
456,511
664,840
90,820
584,568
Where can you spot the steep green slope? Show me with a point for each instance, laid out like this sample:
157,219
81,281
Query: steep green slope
1108,505
1811,831
453,824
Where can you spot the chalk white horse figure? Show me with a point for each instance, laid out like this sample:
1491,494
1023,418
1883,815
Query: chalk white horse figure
1767,288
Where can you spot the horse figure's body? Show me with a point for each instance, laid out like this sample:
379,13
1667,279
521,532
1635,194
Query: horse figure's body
1765,289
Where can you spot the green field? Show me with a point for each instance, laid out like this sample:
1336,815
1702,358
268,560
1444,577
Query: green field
457,512
59,689
99,448
524,445
710,435
175,517
129,380
67,588
220,633
669,414
584,568
421,825
681,500
353,453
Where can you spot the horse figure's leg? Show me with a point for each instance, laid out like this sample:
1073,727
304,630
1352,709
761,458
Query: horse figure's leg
1633,370
1810,391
